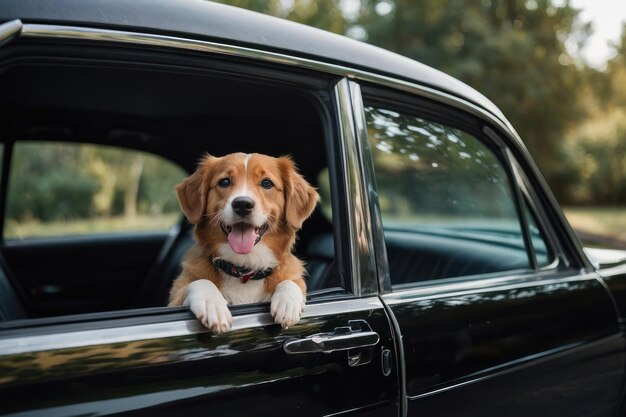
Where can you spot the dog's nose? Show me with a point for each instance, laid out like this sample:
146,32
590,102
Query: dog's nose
243,205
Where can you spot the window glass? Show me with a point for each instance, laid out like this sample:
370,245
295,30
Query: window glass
61,189
543,254
446,200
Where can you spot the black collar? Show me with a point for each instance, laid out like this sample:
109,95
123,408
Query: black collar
245,274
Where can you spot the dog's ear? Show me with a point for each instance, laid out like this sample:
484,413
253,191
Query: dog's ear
192,191
300,197
191,198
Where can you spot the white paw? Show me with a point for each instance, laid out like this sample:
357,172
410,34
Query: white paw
287,304
208,305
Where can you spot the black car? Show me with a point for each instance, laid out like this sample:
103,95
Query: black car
443,277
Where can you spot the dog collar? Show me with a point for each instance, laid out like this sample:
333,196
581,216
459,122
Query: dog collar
245,274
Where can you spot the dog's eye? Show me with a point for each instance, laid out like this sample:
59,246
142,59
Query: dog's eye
224,182
267,183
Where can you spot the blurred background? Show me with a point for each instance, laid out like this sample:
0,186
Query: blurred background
556,68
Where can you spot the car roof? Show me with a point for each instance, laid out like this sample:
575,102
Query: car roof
218,22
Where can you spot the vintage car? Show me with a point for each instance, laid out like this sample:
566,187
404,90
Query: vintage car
443,277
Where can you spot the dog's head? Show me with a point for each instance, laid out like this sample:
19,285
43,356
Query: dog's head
243,198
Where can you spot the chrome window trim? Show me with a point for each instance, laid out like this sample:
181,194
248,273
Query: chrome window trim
9,29
82,338
434,290
362,256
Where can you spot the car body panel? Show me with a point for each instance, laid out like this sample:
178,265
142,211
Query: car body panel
460,337
581,382
615,279
180,367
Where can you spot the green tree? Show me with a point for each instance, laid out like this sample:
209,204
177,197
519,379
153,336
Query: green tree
595,150
47,185
513,51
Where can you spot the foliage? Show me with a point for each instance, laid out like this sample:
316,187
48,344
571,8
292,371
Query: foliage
36,191
595,150
427,168
52,182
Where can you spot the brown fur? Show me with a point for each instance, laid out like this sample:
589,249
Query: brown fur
288,204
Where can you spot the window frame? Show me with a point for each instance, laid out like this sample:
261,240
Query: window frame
486,134
530,197
336,120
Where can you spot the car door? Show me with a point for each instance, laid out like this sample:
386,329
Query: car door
340,358
497,315
166,363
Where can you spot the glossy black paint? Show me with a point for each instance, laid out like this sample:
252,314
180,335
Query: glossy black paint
551,336
615,278
580,382
245,372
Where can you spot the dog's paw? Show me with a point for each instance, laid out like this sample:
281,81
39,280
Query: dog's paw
287,304
209,306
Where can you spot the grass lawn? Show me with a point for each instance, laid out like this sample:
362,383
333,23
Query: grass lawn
595,223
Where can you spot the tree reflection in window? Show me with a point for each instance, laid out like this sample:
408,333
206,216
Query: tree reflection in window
429,173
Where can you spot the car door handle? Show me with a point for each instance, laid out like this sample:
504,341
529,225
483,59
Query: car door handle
358,334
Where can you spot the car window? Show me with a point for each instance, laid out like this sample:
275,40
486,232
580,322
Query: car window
543,253
64,189
446,200
146,124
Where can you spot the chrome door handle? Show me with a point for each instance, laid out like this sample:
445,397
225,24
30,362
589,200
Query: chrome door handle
358,334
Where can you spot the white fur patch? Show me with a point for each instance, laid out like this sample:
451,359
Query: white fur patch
236,292
245,164
287,304
261,257
209,306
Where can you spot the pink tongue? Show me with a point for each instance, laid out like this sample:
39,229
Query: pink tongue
241,238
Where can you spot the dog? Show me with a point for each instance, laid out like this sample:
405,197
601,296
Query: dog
246,210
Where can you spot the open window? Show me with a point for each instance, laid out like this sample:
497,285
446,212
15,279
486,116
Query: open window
94,147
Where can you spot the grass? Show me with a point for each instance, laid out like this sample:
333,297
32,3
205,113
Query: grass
35,228
599,226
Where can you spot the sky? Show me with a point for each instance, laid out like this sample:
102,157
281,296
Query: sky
606,17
